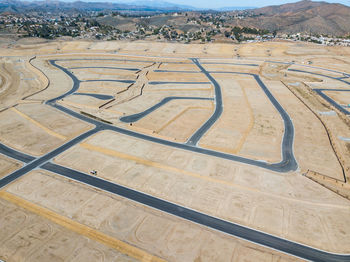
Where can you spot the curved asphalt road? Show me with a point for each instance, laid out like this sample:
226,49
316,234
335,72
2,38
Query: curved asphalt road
171,208
288,159
75,87
138,116
193,140
287,164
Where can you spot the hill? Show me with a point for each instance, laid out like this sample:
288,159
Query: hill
304,16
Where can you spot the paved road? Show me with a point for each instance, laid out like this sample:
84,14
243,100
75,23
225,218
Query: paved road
7,151
138,116
98,96
193,140
288,135
171,208
106,67
330,100
75,86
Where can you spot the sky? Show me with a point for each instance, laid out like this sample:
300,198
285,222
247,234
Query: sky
229,3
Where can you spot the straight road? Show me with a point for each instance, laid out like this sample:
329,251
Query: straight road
330,100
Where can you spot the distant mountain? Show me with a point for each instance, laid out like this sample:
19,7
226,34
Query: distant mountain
300,6
304,16
160,4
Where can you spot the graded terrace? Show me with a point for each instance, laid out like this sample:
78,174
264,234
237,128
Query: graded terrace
119,151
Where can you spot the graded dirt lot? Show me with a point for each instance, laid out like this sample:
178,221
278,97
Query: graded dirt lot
142,151
7,165
37,129
17,80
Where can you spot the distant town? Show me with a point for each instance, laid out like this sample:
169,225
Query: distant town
184,27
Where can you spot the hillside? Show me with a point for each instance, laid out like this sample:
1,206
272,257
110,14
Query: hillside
304,16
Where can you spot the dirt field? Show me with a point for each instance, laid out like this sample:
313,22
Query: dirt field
8,165
17,81
258,106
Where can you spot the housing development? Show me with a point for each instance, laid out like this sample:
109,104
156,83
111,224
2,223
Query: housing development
160,151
